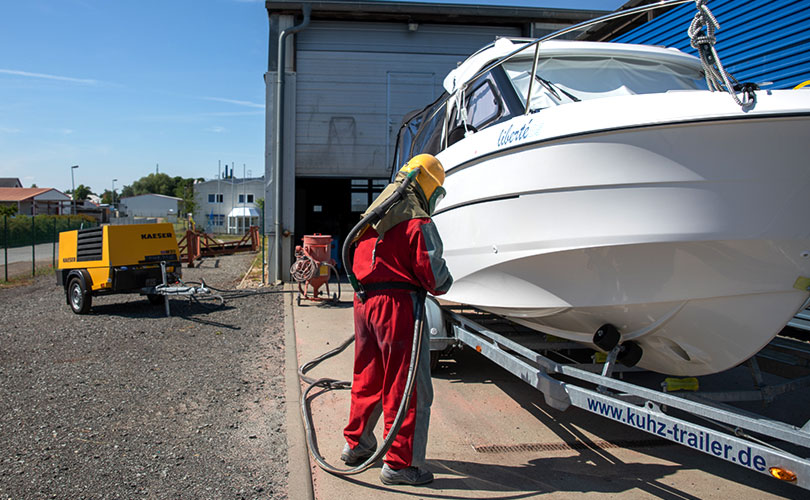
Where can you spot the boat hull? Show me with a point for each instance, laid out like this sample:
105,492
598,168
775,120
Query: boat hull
687,236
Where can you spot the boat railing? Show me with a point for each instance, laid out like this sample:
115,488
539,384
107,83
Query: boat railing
439,105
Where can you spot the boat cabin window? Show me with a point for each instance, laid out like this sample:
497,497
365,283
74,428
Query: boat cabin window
561,80
483,105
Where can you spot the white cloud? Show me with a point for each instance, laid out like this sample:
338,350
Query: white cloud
235,101
8,130
234,113
196,117
216,130
48,77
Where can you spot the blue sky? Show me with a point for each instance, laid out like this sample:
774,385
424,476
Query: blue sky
119,87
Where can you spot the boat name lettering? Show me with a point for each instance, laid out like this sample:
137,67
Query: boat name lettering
511,135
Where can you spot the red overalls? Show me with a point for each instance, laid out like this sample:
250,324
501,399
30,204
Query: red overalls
410,252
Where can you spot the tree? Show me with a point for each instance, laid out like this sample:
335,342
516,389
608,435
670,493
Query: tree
164,184
185,191
82,192
106,197
152,183
8,210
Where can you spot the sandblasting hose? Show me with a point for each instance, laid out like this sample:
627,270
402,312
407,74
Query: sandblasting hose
329,384
372,218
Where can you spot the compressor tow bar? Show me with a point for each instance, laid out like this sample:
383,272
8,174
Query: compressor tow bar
165,289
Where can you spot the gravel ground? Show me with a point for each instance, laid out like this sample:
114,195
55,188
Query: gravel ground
126,403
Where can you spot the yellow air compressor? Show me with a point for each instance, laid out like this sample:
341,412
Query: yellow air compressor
117,259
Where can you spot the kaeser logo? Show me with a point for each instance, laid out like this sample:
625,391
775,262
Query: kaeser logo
511,134
154,236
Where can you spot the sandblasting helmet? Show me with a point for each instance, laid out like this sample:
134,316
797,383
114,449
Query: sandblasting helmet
430,178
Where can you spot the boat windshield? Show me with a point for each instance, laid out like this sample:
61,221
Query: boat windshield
567,79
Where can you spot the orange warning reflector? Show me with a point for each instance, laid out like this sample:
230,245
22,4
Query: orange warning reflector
783,474
478,348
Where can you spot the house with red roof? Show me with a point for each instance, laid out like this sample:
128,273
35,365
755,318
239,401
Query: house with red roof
35,201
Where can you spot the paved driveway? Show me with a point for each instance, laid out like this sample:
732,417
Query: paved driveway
43,251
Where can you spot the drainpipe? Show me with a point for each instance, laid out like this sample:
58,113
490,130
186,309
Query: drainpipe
279,108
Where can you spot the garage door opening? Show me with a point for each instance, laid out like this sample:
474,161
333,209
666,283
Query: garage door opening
329,205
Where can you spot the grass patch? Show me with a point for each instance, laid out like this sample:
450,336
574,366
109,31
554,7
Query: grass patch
254,274
25,279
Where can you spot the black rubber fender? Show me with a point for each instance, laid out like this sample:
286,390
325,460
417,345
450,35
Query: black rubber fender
630,353
606,337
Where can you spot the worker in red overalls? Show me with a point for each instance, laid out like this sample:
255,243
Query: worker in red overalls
394,260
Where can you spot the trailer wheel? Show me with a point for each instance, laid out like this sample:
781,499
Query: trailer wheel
434,360
78,297
154,298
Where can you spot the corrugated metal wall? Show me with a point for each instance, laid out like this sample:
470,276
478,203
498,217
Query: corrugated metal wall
758,41
356,81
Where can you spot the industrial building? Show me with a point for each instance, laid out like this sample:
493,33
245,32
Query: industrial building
229,205
149,205
759,41
351,72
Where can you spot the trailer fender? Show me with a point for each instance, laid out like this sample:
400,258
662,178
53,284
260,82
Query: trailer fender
436,324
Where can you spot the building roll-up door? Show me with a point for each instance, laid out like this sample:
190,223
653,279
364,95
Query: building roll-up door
356,81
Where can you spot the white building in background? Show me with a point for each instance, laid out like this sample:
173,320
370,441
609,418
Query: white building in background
228,205
150,205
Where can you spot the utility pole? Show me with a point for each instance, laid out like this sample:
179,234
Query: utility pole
232,190
244,199
216,196
73,188
113,194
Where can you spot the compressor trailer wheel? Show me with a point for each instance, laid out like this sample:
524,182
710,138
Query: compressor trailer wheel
78,297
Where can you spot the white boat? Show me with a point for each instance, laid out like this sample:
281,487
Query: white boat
625,193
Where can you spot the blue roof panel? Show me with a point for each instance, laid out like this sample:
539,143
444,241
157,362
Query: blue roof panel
758,40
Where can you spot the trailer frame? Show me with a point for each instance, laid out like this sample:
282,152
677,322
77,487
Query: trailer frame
564,385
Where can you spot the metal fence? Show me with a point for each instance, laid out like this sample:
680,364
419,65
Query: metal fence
30,239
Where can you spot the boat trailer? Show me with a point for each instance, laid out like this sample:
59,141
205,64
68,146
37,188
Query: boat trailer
592,387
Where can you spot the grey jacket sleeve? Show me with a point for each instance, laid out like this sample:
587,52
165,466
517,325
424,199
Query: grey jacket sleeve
433,244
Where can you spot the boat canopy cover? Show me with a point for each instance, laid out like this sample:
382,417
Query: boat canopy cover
556,48
571,78
420,132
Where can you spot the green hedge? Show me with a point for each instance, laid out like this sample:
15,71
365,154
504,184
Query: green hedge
17,231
